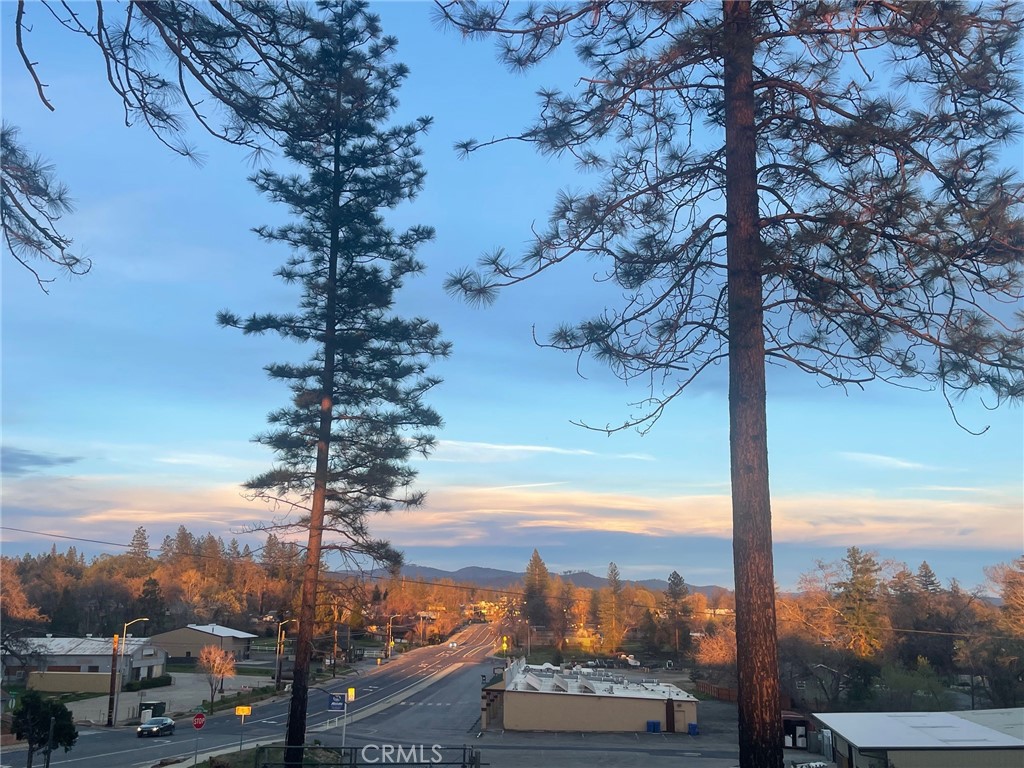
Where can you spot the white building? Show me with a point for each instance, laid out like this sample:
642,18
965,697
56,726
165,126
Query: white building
991,738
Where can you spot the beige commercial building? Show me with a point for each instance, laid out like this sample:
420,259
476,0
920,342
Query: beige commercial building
992,738
188,641
549,698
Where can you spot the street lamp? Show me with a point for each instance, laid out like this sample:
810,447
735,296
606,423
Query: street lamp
115,669
387,647
280,650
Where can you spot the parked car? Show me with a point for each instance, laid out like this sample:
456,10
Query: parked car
156,726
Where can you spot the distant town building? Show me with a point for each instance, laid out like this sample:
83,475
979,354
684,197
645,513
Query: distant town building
186,642
550,698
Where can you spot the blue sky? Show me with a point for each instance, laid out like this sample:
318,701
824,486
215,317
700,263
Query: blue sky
125,405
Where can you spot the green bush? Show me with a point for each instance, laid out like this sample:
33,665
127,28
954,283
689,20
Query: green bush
149,682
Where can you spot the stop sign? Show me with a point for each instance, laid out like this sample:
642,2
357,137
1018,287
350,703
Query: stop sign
199,721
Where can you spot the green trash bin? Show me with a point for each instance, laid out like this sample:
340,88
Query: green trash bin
157,707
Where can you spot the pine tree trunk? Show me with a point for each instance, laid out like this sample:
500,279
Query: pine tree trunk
295,735
760,719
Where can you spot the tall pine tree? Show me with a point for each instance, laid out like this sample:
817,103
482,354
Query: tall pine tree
357,413
815,184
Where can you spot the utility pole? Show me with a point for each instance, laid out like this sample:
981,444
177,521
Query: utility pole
334,657
113,684
49,742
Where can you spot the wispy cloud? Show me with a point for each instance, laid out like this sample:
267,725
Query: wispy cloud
218,461
109,509
511,514
480,453
524,485
953,489
878,460
530,514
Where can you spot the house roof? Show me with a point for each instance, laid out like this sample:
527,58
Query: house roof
82,646
929,730
219,631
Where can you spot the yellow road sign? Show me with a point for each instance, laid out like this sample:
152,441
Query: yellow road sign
243,711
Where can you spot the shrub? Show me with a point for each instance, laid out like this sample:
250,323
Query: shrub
149,682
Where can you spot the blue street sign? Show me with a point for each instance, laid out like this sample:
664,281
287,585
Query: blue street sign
337,702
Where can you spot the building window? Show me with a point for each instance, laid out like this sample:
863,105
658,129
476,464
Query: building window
94,669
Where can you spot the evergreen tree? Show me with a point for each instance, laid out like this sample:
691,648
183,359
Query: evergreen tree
926,579
561,612
858,600
31,721
180,550
32,202
137,562
677,611
139,546
157,56
67,616
535,594
358,413
611,610
151,604
870,229
903,585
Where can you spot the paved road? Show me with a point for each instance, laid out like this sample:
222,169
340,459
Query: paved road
376,689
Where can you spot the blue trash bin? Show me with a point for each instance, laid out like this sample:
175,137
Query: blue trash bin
693,729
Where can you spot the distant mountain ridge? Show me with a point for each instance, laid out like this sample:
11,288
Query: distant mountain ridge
495,578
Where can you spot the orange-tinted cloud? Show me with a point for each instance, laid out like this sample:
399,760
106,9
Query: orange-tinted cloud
110,508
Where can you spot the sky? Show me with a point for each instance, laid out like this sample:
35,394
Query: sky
124,405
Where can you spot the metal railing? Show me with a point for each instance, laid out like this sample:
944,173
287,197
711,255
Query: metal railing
401,755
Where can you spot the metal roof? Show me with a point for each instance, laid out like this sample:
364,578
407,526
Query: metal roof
219,631
82,646
585,682
927,730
